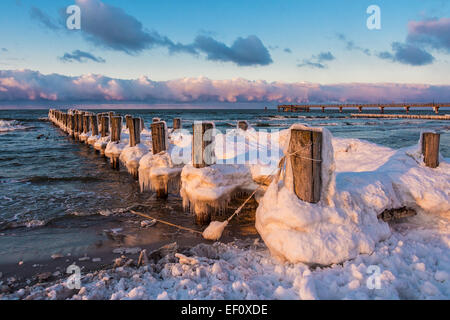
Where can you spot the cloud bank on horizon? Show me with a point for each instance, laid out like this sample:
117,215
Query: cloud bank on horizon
33,86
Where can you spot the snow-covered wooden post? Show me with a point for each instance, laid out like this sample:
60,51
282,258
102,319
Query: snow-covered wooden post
305,156
159,145
430,149
202,137
116,129
156,119
94,124
176,123
134,126
243,125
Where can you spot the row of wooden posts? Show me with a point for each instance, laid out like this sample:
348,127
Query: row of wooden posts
305,146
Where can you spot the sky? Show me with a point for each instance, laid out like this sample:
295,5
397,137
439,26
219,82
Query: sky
247,50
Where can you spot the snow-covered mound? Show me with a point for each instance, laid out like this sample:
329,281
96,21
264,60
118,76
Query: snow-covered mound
131,156
344,223
101,143
162,171
158,172
84,136
213,187
92,139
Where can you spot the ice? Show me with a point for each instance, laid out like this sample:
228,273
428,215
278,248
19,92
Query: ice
158,172
214,230
131,156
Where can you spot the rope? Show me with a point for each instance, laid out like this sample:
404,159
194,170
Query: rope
165,222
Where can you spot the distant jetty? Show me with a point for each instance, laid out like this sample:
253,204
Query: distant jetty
404,116
407,106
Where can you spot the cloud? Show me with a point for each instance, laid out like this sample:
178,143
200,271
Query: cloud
350,45
407,54
244,51
434,33
422,36
112,28
4,49
316,61
80,56
287,50
31,85
44,19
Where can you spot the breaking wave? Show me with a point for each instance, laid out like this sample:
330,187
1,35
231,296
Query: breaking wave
10,125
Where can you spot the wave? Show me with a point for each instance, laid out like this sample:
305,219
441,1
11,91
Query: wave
11,125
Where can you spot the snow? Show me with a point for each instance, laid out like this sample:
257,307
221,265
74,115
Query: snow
242,158
101,143
212,188
246,270
92,139
344,223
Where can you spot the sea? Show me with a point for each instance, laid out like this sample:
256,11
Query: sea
52,189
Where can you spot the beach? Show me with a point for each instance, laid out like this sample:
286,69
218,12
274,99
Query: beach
63,200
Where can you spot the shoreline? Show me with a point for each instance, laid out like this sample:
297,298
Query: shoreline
101,244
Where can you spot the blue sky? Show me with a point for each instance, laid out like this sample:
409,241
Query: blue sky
322,41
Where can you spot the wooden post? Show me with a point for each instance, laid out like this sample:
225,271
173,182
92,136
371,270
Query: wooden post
94,124
306,163
75,126
80,123
105,126
202,137
243,125
134,125
72,125
127,120
158,137
156,119
142,124
176,123
116,128
430,149
86,123
159,145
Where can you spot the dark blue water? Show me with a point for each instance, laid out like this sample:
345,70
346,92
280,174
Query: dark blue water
45,175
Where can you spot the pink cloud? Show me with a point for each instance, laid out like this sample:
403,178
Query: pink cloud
32,85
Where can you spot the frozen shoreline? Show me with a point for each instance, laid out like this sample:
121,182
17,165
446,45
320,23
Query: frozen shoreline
414,264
